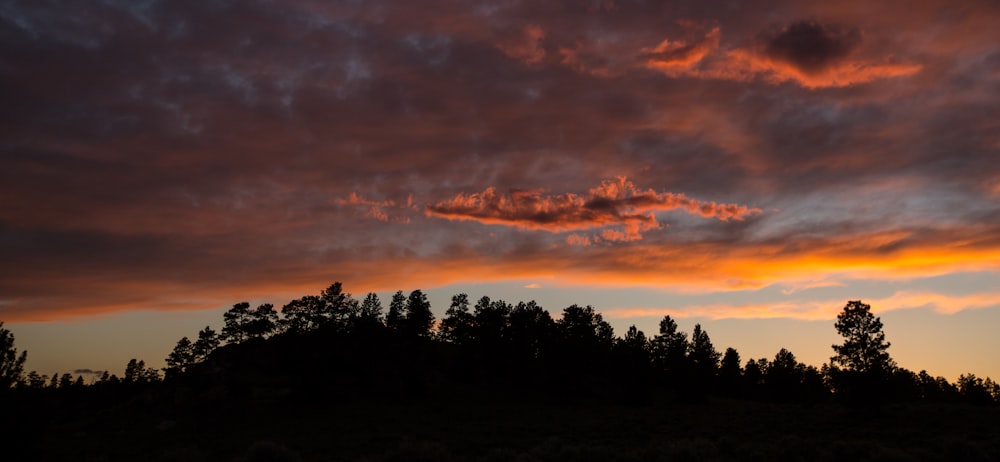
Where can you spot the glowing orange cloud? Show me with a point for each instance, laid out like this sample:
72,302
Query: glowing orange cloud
806,52
678,57
613,202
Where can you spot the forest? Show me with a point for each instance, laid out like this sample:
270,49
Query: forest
332,377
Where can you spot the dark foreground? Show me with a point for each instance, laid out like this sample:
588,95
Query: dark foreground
446,426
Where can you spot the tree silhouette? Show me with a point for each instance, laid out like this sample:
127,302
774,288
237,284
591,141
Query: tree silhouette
632,358
783,377
703,360
864,348
65,381
862,367
669,351
634,345
530,331
458,322
397,306
301,314
730,372
370,311
11,363
243,323
181,357
207,341
136,372
36,381
236,319
263,321
418,318
583,326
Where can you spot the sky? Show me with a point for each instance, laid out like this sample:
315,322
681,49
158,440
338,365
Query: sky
750,166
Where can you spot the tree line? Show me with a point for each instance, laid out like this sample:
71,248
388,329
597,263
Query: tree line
491,340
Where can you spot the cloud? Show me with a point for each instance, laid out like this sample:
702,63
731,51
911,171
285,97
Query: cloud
375,209
678,57
230,150
805,52
817,309
810,46
613,203
525,45
87,371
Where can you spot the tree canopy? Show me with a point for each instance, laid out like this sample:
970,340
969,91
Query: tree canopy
864,347
11,363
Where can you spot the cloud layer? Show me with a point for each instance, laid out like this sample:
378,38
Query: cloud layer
186,154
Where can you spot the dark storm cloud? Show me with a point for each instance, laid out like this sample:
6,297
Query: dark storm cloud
811,46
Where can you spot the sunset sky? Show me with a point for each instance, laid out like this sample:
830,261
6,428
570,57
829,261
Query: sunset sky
750,166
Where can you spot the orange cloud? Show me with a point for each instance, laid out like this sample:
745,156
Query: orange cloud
808,53
775,70
525,46
678,57
613,202
374,209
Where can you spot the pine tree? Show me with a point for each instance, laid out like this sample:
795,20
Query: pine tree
397,305
864,348
11,363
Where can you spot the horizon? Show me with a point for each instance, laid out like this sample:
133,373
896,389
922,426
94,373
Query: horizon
747,167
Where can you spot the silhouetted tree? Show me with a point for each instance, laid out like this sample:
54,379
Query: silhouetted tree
207,342
669,350
730,372
181,357
243,323
397,306
301,314
861,368
338,307
237,321
370,311
333,306
633,361
783,376
136,372
703,360
582,326
263,321
457,324
490,319
583,350
65,381
530,330
974,389
864,348
36,381
418,318
634,345
11,363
